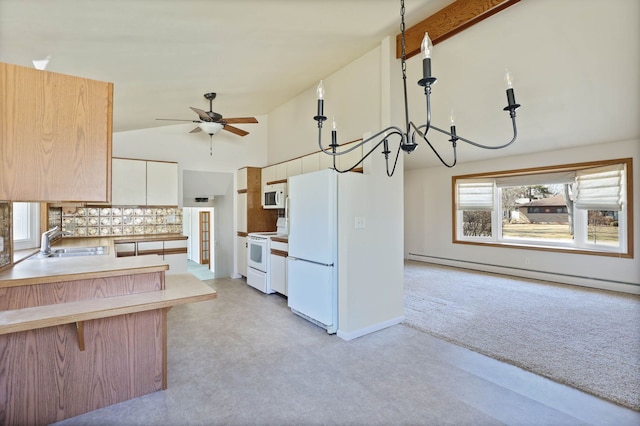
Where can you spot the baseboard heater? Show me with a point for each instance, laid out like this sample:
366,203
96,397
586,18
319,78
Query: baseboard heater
552,276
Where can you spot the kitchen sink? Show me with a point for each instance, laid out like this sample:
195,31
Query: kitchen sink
72,252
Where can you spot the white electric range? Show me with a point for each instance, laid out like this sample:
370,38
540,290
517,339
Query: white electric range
258,255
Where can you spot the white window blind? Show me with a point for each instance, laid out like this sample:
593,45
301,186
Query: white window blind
475,195
550,178
600,188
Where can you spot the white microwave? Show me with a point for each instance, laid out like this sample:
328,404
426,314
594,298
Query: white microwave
274,196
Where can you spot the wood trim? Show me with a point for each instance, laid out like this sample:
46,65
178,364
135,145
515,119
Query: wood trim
281,253
448,22
242,234
176,250
159,252
311,153
274,182
242,191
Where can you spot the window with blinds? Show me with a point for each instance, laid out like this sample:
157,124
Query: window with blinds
581,207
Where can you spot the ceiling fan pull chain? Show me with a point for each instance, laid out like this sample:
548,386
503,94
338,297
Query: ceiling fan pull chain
211,145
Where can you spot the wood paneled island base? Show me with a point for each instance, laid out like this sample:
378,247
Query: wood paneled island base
64,359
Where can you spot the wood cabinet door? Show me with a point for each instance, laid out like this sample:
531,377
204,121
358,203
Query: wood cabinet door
55,136
162,183
129,182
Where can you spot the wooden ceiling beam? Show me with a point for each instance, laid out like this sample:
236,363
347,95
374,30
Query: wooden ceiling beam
459,15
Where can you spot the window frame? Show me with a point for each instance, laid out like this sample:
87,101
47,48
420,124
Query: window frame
626,244
32,222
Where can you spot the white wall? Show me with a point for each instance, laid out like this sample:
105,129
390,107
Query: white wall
576,65
428,224
352,96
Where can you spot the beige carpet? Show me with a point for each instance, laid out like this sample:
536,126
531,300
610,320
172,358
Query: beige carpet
588,339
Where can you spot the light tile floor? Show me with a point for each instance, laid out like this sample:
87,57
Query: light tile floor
245,359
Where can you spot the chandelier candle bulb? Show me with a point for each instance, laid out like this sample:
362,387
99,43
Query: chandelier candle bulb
508,79
426,49
334,135
320,92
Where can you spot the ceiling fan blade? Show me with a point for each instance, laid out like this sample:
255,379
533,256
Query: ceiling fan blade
235,130
202,114
196,130
238,120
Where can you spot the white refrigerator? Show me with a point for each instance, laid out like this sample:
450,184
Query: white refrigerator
312,265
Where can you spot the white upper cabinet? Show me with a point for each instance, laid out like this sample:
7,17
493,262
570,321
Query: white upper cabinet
162,183
242,178
311,163
268,174
144,183
294,167
128,182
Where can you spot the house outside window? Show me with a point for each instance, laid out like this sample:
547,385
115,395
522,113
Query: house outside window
581,207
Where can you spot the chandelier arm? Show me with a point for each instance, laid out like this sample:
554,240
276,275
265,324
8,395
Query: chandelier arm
476,144
395,163
435,151
371,151
391,130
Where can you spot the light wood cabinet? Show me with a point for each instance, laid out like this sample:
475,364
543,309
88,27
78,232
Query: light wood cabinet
144,183
55,136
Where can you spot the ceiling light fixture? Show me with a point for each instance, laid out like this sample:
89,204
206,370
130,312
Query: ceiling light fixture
407,141
211,128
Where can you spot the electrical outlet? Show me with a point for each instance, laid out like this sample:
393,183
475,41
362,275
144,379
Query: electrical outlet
360,222
527,261
1,244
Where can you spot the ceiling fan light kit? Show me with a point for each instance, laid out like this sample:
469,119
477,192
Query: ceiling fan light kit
211,128
212,122
407,138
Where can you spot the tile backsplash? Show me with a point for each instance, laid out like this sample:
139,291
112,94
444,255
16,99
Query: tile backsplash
114,221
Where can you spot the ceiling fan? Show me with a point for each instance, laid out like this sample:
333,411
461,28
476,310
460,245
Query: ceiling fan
211,122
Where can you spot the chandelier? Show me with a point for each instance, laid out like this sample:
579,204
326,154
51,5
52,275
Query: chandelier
407,138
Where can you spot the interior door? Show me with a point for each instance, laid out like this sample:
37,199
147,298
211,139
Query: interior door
205,237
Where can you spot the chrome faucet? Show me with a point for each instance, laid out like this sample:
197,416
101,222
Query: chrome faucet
45,240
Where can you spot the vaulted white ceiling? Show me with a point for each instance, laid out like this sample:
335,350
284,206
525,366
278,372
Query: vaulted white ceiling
163,55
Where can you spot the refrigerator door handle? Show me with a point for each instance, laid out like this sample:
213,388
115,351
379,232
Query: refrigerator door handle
309,261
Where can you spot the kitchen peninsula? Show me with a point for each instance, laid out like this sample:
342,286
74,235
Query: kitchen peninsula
81,333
